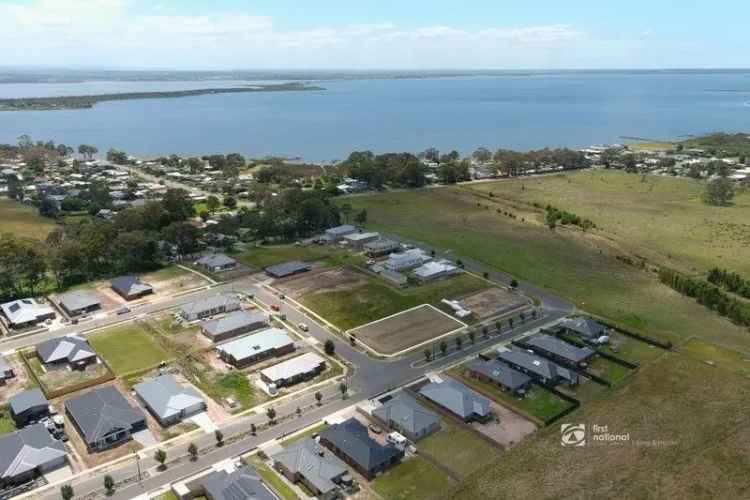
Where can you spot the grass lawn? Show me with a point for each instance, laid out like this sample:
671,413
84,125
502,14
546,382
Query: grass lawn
169,495
457,448
373,299
23,220
563,261
128,348
713,355
273,480
167,273
687,423
539,402
264,256
6,422
415,478
307,433
220,386
630,349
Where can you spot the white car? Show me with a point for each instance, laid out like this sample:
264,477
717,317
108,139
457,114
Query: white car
303,327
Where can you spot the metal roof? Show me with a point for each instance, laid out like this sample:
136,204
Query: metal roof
25,311
352,438
500,372
71,349
293,367
166,397
560,348
535,364
257,343
584,326
101,411
456,397
241,484
208,304
312,461
216,260
407,413
25,450
129,285
79,299
288,268
234,321
26,400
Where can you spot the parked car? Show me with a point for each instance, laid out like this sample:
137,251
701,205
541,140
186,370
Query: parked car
123,310
303,327
275,307
375,429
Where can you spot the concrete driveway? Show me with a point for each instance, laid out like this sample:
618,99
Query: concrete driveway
203,421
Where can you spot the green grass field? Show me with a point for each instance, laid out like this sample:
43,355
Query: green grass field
23,220
373,299
457,448
413,479
6,422
660,218
264,256
128,348
449,218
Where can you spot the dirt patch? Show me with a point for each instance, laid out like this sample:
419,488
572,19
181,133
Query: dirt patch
509,428
319,280
18,383
406,329
493,302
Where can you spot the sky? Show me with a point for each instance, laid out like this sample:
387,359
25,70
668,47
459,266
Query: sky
374,34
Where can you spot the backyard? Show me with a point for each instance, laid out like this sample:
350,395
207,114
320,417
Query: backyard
457,448
23,220
6,422
128,348
414,479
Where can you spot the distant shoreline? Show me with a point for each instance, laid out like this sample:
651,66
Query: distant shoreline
89,101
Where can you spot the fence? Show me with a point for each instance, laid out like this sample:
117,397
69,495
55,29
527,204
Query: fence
68,389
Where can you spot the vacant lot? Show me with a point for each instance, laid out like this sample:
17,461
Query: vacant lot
128,348
457,448
173,279
414,479
406,329
319,280
372,299
689,436
661,218
264,256
574,267
494,302
23,220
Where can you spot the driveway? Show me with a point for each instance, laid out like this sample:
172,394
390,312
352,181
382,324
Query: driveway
203,421
145,438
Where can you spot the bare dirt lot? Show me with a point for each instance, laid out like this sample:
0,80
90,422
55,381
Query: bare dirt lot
406,329
493,302
509,428
18,383
318,280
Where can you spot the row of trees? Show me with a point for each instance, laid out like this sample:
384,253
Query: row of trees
730,281
553,216
707,294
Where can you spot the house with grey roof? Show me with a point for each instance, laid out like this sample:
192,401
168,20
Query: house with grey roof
351,442
216,262
405,415
408,259
131,287
233,325
380,247
72,351
430,271
307,462
334,234
466,404
104,418
215,304
585,327
293,371
558,350
24,313
288,269
494,372
79,302
243,483
245,351
359,240
542,369
28,406
27,453
169,401
6,371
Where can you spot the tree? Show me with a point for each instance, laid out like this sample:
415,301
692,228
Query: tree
271,414
230,202
460,263
486,275
719,192
318,397
109,484
472,336
193,452
427,355
361,217
253,429
482,155
498,326
87,151
161,457
343,389
219,437
513,284
212,203
48,208
178,205
116,156
550,219
459,343
298,411
443,347
66,491
329,347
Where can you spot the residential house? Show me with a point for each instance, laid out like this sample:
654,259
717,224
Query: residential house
404,414
494,372
104,418
6,371
398,279
294,370
24,313
380,247
288,269
216,262
359,240
351,442
233,325
131,287
587,328
408,259
542,369
557,349
243,483
28,406
79,302
28,453
168,401
458,399
334,234
307,462
434,270
210,306
71,351
248,350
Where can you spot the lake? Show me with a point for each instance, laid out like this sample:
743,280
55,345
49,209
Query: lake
574,109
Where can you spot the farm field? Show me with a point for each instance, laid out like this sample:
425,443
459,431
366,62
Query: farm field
574,267
413,479
128,348
691,446
371,298
23,220
660,218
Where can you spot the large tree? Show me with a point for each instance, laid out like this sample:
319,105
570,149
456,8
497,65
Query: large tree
719,192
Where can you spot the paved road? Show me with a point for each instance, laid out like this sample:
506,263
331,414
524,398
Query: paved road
370,378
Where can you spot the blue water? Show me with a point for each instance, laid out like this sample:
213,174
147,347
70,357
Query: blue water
519,112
